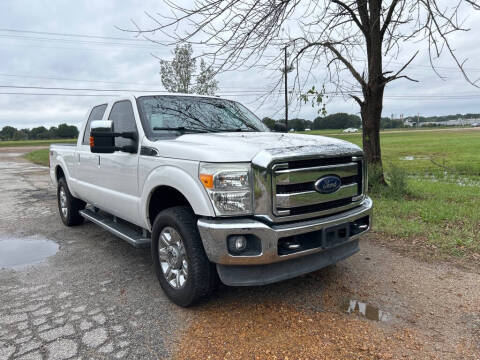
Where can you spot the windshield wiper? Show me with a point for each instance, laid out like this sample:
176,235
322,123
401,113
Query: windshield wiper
180,128
235,130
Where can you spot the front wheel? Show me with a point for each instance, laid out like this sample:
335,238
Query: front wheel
181,265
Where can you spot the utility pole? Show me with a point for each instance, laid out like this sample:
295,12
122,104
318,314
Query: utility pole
286,90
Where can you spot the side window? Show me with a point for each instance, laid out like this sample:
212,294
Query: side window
96,114
123,120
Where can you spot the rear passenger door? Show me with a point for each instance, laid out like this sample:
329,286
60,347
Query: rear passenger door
118,171
87,163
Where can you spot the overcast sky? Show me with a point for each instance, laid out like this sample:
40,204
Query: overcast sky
29,59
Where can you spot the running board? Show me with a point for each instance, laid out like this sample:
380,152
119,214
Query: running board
119,229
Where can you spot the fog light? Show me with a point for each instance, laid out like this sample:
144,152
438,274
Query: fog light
239,243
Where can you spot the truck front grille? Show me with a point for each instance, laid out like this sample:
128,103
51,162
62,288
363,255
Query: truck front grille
293,185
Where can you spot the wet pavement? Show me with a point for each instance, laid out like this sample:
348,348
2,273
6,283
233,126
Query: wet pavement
97,298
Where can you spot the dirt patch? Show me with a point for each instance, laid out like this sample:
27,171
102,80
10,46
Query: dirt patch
279,331
419,248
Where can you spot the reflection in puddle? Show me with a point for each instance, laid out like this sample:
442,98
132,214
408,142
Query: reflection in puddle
368,311
20,252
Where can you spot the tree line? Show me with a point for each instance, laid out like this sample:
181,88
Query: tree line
63,131
332,121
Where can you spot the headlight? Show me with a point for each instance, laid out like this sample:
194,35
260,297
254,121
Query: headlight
228,186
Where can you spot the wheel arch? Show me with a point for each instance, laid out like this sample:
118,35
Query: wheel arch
171,186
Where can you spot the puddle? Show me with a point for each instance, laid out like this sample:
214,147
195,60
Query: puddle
411,158
21,252
368,311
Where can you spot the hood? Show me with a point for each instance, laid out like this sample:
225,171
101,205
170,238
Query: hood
243,147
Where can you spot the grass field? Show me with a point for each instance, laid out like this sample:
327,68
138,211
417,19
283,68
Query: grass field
426,152
34,142
39,157
440,210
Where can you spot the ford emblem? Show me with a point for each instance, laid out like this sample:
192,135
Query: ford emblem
328,184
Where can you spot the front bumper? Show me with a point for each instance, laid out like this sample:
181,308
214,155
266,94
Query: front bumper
214,234
270,265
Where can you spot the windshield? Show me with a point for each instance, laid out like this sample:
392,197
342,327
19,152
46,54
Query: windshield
195,114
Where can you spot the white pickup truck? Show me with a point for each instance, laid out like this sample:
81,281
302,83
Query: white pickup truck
213,192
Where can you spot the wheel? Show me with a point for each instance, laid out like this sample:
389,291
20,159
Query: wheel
68,206
181,265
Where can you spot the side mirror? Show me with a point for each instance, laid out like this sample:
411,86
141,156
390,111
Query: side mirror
102,138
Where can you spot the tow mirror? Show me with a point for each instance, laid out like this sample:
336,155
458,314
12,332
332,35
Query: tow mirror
102,138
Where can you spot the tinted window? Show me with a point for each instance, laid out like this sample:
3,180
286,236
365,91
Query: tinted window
96,114
123,120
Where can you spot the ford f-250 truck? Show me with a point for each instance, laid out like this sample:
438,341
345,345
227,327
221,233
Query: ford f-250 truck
213,192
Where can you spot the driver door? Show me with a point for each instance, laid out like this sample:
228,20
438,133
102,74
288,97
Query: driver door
119,170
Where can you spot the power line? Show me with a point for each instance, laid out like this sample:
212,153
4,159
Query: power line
73,35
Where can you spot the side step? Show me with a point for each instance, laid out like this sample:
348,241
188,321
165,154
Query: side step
119,229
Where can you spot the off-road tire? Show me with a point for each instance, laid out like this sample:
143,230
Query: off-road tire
73,205
202,276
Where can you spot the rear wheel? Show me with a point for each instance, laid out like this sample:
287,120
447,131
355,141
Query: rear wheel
181,265
68,206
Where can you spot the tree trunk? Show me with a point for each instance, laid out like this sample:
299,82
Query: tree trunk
371,107
371,112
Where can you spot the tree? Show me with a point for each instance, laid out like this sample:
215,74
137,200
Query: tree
177,74
270,123
350,36
336,121
7,132
65,131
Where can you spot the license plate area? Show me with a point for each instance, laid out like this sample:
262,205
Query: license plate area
335,235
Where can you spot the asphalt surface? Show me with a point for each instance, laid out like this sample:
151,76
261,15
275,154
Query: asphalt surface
97,298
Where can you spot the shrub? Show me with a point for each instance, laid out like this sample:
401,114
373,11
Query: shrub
397,181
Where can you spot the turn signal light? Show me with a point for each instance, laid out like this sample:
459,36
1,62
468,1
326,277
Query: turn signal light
92,142
207,180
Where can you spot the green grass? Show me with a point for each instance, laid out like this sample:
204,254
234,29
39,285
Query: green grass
456,151
440,215
38,156
34,142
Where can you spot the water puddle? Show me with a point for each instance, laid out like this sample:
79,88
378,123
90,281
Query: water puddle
411,158
21,252
366,310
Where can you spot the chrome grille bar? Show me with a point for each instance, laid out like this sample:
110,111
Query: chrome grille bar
296,176
306,198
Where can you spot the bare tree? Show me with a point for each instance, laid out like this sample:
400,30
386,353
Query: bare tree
350,35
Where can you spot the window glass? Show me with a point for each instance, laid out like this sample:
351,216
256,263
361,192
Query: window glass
196,114
123,121
96,114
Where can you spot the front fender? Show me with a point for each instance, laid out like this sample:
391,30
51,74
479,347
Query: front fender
179,179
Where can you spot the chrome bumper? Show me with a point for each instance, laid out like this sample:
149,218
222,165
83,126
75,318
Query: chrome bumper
214,234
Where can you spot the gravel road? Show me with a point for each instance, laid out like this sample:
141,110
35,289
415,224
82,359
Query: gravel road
97,297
